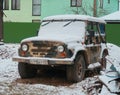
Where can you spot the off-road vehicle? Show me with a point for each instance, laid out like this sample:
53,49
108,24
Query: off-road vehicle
75,43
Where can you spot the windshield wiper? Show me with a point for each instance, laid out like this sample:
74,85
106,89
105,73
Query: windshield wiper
69,22
46,23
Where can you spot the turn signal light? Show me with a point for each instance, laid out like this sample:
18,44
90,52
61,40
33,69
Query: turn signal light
63,54
23,53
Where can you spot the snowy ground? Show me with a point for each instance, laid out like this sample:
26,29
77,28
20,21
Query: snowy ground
11,84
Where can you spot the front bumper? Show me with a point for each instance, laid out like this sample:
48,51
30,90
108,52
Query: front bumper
43,61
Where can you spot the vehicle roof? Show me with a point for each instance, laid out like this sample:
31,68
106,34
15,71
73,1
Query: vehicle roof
74,17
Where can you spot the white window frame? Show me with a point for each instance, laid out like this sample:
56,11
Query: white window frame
5,4
76,3
101,3
15,4
36,5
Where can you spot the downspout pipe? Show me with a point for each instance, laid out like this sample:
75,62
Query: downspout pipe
1,21
119,5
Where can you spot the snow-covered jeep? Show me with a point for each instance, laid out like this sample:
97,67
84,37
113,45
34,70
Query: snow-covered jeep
75,43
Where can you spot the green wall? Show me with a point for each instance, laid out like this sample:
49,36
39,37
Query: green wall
15,32
113,33
56,7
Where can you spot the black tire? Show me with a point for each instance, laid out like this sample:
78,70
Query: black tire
76,72
26,70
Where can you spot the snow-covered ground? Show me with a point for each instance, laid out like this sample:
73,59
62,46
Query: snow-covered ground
9,77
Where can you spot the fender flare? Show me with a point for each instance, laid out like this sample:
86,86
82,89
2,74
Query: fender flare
104,51
83,52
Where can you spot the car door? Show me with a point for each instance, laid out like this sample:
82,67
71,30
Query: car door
93,42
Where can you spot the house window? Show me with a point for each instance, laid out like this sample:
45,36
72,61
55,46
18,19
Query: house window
5,4
15,4
101,3
108,1
76,3
36,7
36,20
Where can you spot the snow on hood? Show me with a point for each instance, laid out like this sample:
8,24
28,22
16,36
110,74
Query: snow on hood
64,31
50,38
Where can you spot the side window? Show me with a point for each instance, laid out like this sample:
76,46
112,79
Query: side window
92,34
102,32
89,33
102,28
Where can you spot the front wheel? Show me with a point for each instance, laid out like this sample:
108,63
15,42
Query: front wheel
76,72
26,70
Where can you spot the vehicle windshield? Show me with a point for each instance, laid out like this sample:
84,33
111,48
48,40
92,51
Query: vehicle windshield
65,27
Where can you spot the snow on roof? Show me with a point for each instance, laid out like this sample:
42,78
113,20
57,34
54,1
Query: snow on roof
113,16
73,17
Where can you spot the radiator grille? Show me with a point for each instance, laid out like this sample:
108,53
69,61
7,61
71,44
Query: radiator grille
43,48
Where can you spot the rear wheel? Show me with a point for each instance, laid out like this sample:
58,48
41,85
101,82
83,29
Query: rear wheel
76,72
26,70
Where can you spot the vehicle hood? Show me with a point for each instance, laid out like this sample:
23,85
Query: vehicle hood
59,38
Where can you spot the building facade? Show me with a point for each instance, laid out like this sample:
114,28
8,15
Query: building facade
22,10
86,7
35,10
105,7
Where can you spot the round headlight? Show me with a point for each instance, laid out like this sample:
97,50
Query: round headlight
24,47
60,48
